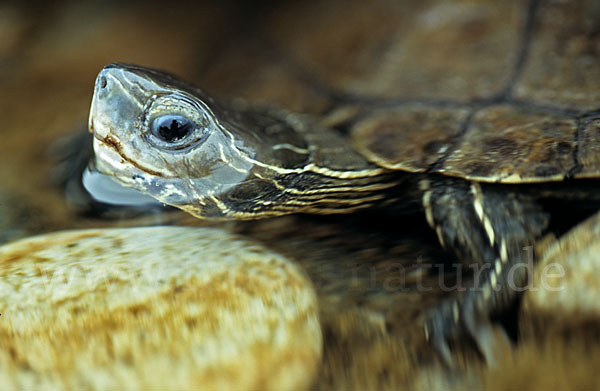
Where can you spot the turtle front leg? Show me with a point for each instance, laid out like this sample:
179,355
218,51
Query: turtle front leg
488,227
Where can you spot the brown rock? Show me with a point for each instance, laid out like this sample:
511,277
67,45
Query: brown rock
154,308
565,283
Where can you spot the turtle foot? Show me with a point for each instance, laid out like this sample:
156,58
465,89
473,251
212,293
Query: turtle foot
447,326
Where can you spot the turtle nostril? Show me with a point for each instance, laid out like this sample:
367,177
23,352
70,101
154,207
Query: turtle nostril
103,82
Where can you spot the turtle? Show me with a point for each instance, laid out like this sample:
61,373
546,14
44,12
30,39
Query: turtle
475,113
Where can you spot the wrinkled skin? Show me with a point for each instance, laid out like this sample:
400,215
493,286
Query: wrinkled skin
237,162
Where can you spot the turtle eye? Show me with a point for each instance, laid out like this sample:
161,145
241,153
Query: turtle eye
174,122
172,128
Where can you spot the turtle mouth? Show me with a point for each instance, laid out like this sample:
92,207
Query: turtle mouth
110,161
108,148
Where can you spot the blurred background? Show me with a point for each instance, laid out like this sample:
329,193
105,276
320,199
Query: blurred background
266,50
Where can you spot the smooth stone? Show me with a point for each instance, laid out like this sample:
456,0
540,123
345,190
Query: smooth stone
154,308
566,283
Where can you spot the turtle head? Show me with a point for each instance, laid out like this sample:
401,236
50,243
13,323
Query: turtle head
170,140
161,136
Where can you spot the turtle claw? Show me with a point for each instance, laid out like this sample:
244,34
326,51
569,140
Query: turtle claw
491,341
438,331
440,346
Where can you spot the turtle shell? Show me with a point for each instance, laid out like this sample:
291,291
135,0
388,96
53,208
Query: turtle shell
494,91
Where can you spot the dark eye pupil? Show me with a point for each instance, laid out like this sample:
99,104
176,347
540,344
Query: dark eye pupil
172,128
